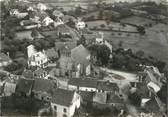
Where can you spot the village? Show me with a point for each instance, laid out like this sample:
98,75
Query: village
106,60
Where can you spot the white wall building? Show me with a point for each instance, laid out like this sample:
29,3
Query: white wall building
80,25
47,21
31,50
64,103
16,13
41,7
79,84
38,59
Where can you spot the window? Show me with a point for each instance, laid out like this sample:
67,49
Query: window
64,115
29,62
65,110
55,107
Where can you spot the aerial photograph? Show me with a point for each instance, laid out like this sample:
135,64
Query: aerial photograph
84,58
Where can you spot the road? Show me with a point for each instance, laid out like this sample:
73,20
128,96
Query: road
128,76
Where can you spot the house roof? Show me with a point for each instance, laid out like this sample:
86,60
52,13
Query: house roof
107,86
4,57
51,53
66,63
80,54
87,96
152,105
39,71
153,74
65,45
28,22
24,85
63,28
57,13
43,85
42,15
154,86
83,82
63,97
142,89
49,32
100,97
115,99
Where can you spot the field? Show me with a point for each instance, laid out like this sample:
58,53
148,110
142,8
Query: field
137,21
111,25
153,43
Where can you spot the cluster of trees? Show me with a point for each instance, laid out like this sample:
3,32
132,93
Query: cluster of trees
44,43
101,53
14,46
18,52
129,61
125,60
141,30
153,8
23,105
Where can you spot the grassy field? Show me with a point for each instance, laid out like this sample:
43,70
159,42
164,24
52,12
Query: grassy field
111,25
154,43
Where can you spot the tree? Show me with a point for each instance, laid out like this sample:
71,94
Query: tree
34,33
141,30
102,25
132,64
161,65
140,53
101,52
82,41
119,61
38,46
120,44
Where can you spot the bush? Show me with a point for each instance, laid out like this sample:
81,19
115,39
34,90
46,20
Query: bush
102,26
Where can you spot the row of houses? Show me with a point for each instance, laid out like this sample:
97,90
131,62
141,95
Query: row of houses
148,85
100,92
66,57
36,16
45,90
